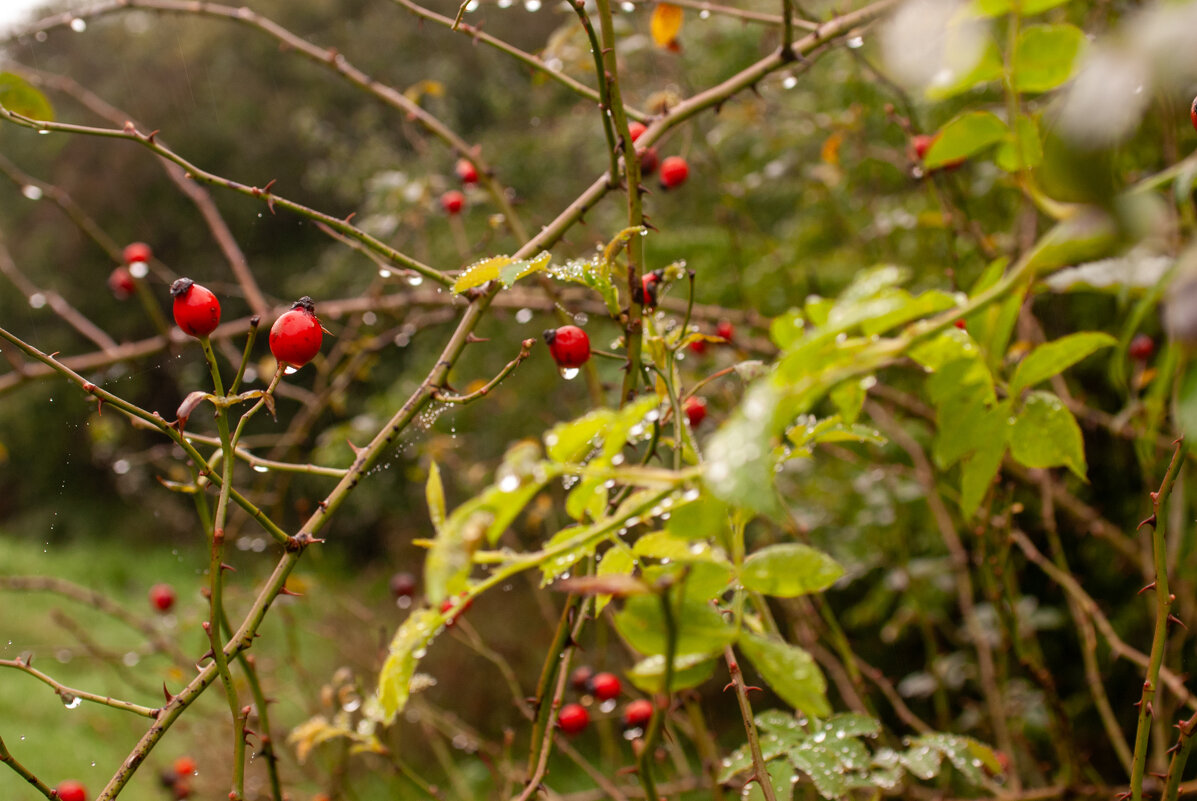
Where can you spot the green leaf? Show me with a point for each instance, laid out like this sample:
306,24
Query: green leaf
616,561
700,628
1047,435
740,760
703,580
510,273
689,670
1087,235
966,755
848,398
788,328
964,136
916,308
434,493
1046,56
994,8
394,682
789,570
781,776
1055,357
1022,149
790,671
824,769
739,466
978,470
587,499
704,518
19,97
988,68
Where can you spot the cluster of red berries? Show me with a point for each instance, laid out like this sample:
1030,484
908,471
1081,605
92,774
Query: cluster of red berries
674,169
295,337
178,777
723,329
122,281
573,718
453,201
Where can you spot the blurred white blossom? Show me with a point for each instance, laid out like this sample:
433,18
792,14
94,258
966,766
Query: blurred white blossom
928,43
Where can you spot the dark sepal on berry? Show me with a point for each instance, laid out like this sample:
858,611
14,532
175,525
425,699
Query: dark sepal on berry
181,287
306,304
550,336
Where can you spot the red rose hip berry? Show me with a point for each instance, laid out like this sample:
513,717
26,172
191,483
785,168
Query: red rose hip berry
650,287
674,172
403,585
580,678
648,160
696,410
606,686
137,251
573,719
184,766
296,335
725,329
637,714
467,173
569,346
196,309
1142,347
162,597
121,282
455,608
71,790
636,129
452,202
1193,112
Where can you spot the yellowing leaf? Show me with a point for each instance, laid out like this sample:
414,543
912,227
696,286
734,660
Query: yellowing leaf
666,24
418,90
830,153
479,273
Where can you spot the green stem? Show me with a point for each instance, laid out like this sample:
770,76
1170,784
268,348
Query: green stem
216,578
1163,612
8,759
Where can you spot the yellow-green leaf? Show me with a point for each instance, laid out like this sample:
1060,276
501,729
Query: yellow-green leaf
666,24
18,96
481,272
408,644
434,493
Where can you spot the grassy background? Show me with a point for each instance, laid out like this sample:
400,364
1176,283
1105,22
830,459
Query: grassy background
302,644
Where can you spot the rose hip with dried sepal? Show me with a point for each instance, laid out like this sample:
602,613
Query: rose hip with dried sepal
568,345
296,335
196,309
